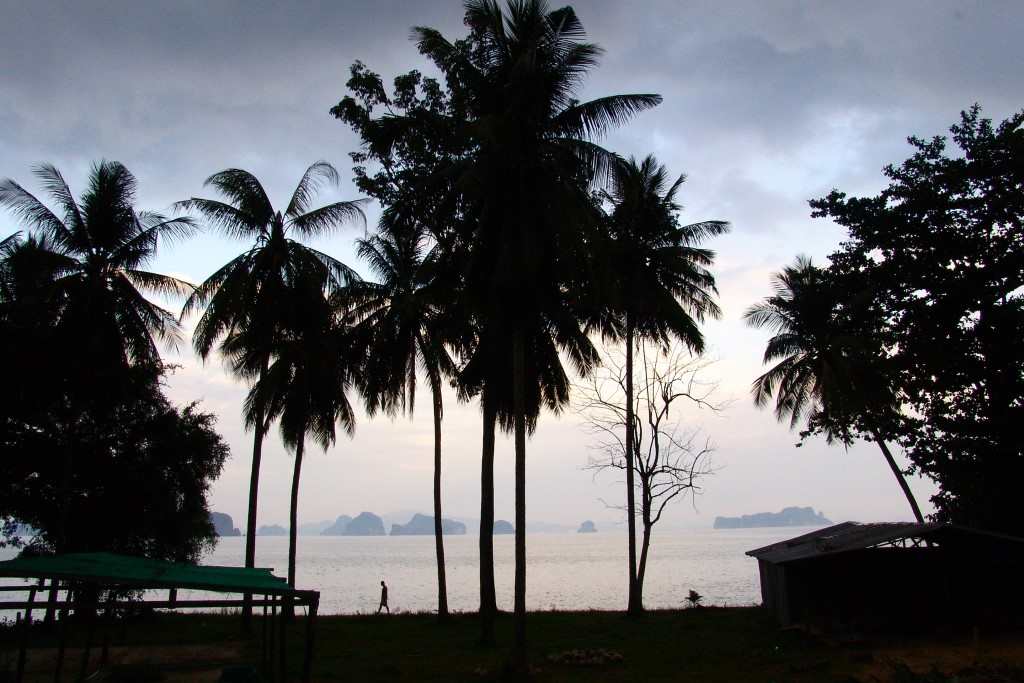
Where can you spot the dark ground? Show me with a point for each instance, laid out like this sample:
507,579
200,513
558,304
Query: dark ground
707,644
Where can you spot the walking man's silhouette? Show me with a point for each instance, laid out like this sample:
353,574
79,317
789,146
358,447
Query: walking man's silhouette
383,598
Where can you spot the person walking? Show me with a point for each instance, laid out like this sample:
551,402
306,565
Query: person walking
383,598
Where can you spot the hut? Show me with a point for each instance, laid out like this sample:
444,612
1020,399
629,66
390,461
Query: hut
893,576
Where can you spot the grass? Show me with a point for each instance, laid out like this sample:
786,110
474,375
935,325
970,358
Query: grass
709,644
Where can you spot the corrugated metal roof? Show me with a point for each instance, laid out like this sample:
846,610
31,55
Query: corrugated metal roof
844,537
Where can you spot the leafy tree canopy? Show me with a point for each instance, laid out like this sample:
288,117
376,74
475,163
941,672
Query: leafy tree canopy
939,254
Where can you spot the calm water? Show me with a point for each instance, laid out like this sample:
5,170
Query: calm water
564,571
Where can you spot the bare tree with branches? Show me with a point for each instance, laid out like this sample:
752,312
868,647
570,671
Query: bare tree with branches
671,460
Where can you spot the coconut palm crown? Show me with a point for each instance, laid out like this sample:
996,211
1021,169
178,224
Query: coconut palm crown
822,373
103,244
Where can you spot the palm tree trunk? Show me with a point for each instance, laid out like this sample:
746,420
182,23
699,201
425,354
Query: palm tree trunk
634,606
442,586
519,408
250,523
899,476
488,604
293,521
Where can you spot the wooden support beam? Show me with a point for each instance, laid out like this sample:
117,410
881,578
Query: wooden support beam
62,643
307,664
26,625
287,611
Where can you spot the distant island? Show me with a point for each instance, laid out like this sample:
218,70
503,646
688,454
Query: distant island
272,530
223,525
791,516
422,525
588,528
365,524
503,527
338,528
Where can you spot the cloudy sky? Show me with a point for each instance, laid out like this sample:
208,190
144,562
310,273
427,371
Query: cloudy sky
766,105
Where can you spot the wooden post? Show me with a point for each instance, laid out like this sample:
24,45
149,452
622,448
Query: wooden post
286,608
63,640
26,625
270,646
51,603
307,664
108,618
90,617
263,639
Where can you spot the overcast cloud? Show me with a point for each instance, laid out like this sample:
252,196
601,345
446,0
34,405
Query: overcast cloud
766,106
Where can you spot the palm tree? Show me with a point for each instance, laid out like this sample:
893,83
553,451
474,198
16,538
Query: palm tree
92,262
822,372
246,295
657,287
103,245
306,383
400,317
527,178
29,267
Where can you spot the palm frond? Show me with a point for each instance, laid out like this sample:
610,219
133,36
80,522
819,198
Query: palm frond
229,220
163,285
25,206
310,182
246,192
595,118
320,221
57,187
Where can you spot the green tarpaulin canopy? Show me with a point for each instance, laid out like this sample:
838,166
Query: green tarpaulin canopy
140,572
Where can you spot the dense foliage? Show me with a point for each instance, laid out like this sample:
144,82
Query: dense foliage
95,457
939,257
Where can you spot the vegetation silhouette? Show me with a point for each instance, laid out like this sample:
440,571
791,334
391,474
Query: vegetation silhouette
93,276
509,239
400,322
72,312
411,313
526,180
823,372
98,251
939,254
305,385
246,298
656,286
670,460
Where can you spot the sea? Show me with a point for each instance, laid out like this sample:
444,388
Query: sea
565,571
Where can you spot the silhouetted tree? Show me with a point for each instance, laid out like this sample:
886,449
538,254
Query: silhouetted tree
150,467
246,297
526,178
823,372
96,251
149,464
418,210
105,243
670,461
940,251
306,382
401,318
656,287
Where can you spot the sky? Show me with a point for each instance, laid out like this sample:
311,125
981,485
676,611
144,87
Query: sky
766,105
